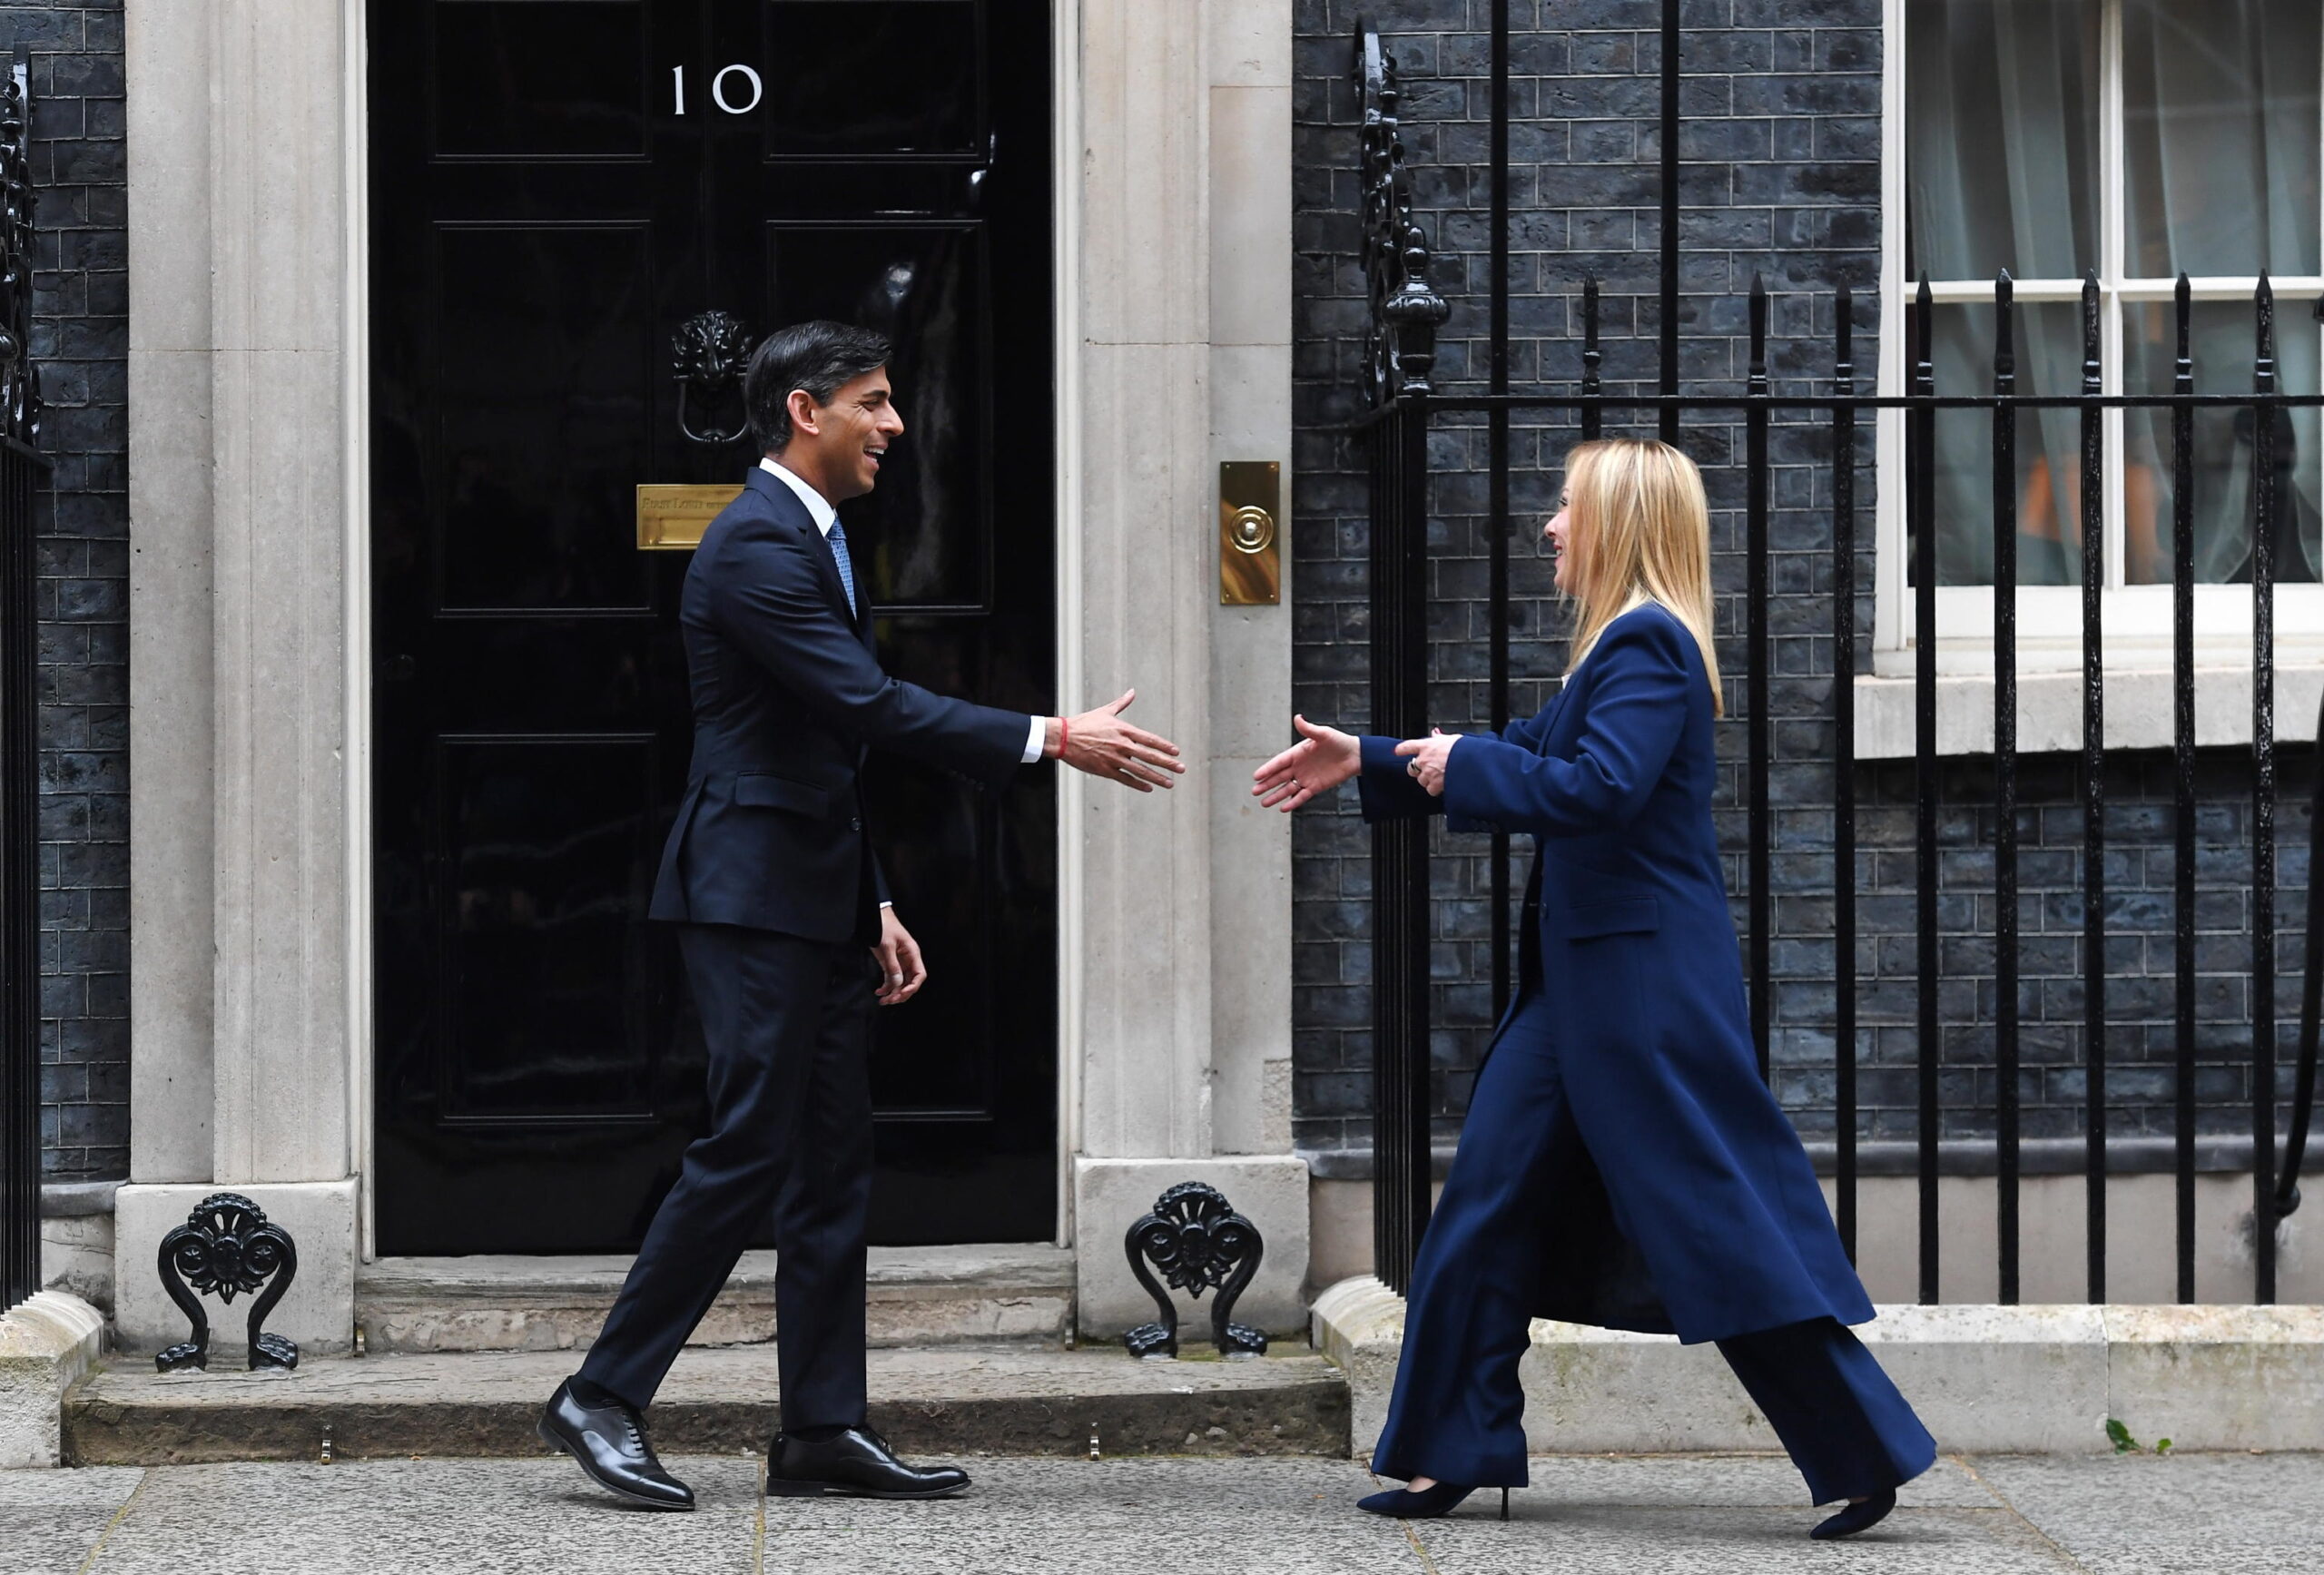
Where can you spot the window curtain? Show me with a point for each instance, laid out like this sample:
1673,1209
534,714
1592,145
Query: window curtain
2220,137
2221,151
2002,163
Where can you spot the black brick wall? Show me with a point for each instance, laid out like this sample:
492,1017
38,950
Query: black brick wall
1780,177
2140,872
81,336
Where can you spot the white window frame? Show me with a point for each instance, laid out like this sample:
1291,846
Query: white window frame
2137,618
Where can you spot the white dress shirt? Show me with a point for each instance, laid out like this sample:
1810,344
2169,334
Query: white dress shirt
820,510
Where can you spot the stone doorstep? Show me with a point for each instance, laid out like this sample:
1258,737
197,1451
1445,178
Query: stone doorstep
1985,1379
918,1296
950,1400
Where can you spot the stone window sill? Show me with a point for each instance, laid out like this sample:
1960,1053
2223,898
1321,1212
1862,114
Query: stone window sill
2138,709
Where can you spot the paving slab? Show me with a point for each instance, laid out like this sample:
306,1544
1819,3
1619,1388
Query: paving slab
46,1541
2203,1514
437,1517
49,1519
1010,1399
1713,1515
1659,1515
1732,1541
1157,1516
101,1487
1713,1481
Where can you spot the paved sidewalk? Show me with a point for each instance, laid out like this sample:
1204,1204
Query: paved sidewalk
2196,1514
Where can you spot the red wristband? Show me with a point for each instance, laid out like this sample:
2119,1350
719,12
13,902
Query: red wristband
1063,733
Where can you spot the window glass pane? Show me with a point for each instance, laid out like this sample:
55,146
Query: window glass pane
2220,136
2002,138
2049,447
2225,500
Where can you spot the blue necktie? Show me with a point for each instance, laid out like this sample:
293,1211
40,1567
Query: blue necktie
846,568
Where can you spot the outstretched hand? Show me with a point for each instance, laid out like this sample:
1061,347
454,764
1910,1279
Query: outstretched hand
1323,758
1101,743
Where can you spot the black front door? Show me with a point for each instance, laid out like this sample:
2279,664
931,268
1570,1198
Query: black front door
557,186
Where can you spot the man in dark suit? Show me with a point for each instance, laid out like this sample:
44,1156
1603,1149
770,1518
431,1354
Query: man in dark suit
784,914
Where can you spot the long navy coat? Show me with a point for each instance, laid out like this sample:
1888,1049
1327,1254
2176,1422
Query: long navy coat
1694,1210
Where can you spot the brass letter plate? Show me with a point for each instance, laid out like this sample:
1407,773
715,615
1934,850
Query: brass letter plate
1250,540
672,519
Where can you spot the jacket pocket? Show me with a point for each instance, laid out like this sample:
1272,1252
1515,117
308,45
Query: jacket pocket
1630,916
780,793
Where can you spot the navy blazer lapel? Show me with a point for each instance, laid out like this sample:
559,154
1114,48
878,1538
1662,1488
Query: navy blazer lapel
827,564
1556,708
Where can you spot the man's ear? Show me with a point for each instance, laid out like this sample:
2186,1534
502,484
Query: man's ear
803,410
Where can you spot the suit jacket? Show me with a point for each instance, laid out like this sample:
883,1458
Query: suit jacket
788,700
1694,1208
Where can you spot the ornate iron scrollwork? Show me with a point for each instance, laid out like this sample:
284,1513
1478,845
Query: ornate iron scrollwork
1406,310
1199,1243
228,1246
20,403
709,354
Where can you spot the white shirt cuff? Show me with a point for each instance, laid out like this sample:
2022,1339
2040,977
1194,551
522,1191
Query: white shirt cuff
1038,739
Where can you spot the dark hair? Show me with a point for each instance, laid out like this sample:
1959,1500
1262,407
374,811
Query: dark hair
817,356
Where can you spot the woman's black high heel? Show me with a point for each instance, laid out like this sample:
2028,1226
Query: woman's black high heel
1857,1517
1403,1504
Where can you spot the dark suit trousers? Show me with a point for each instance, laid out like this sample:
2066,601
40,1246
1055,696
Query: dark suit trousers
1457,1411
787,1022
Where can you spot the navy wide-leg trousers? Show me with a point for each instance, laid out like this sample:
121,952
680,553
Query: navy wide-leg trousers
1457,1413
787,1023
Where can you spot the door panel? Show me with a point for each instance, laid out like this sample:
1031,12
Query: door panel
545,350
557,185
543,1017
528,79
900,79
927,525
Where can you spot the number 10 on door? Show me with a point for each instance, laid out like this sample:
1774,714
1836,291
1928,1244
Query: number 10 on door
725,89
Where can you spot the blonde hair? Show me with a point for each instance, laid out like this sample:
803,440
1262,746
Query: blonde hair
1640,530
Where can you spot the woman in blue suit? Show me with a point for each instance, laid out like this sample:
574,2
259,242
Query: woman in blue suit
1622,1163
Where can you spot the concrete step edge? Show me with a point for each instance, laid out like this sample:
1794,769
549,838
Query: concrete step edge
915,1296
1004,1268
1304,1413
1987,1379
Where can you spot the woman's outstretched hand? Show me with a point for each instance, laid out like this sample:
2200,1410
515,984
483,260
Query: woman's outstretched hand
1323,758
1428,756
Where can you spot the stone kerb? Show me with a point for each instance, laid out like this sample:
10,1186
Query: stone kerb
1992,1379
46,1342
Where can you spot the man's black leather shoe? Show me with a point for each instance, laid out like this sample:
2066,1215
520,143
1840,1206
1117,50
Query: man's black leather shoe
857,1464
609,1441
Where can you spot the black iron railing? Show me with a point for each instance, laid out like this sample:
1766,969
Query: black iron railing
1405,314
20,468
